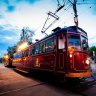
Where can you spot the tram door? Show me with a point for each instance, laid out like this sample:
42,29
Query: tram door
61,52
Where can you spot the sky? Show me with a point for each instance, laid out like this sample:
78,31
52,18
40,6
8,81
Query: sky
16,14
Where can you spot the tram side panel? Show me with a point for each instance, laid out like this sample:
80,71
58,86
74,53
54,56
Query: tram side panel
45,61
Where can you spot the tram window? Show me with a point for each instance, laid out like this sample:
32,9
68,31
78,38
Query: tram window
19,55
30,51
84,42
22,54
74,41
36,49
42,47
50,45
33,50
61,42
14,56
26,53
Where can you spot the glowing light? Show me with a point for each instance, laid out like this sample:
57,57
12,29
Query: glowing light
71,50
22,46
87,62
70,55
6,56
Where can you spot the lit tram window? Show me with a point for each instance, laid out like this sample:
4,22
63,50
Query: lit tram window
50,45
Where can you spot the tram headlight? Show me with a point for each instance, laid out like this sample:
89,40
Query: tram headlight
87,61
71,55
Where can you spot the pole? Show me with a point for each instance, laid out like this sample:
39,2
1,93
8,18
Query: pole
75,13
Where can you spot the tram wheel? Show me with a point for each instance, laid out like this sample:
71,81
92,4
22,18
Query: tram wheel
72,81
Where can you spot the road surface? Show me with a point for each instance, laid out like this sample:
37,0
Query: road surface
13,83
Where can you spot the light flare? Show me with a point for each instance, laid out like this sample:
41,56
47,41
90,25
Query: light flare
87,62
22,46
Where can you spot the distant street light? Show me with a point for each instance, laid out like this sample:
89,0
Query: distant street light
6,56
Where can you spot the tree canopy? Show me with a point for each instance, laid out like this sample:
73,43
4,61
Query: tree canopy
26,36
92,49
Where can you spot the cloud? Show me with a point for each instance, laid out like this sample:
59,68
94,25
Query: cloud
28,15
1,28
89,4
94,9
6,1
9,30
27,1
2,52
1,16
10,8
31,1
9,36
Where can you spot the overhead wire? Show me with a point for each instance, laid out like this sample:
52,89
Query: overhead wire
52,15
89,2
67,4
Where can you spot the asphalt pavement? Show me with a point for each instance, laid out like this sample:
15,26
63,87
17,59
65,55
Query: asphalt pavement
13,83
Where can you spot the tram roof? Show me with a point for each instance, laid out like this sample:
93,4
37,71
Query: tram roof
70,29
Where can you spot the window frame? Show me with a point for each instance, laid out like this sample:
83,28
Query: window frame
51,47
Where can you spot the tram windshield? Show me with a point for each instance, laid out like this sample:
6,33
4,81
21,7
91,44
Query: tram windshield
84,42
74,41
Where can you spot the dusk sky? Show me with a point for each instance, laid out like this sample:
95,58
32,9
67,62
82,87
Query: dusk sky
16,14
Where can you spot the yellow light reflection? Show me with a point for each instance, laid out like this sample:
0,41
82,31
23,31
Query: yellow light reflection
22,46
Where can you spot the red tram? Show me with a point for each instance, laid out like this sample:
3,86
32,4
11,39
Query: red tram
63,52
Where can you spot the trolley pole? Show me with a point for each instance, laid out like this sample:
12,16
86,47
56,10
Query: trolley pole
75,13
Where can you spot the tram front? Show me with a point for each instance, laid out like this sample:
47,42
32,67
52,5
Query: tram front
78,55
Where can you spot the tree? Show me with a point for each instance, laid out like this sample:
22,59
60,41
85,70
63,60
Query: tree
92,50
11,50
1,60
26,35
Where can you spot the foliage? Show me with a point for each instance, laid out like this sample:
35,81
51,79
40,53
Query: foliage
1,60
91,49
26,35
11,50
